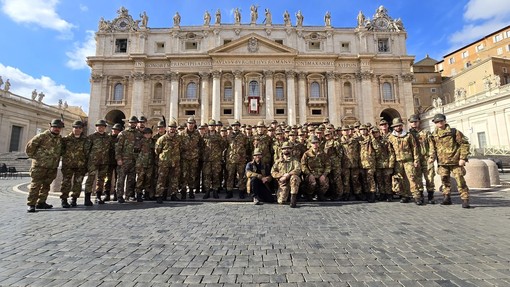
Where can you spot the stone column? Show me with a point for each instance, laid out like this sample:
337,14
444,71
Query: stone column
174,96
291,98
238,95
366,106
137,94
406,93
96,100
332,104
303,108
269,95
216,95
204,99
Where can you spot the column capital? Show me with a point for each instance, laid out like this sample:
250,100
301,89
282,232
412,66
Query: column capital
365,75
331,75
204,75
268,73
290,74
173,76
216,74
408,77
237,74
139,76
302,75
96,77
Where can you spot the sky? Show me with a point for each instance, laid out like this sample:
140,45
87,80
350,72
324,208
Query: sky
45,42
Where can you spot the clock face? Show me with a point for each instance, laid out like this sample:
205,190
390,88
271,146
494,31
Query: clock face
122,24
381,23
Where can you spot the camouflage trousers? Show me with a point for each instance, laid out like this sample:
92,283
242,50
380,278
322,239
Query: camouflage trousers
72,179
144,181
111,178
40,185
127,176
291,184
97,175
316,185
211,175
426,170
335,177
406,171
235,170
168,178
189,173
383,180
458,173
351,176
368,179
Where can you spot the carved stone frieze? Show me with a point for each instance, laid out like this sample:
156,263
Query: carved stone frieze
365,75
408,77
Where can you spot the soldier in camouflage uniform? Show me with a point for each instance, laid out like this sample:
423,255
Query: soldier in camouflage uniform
169,157
161,125
315,167
335,153
99,144
369,148
45,150
74,164
236,161
287,172
426,169
126,150
451,150
144,167
350,164
277,144
385,162
191,155
111,173
214,146
406,161
384,128
265,144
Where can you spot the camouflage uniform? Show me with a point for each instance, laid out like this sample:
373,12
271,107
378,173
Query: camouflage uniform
291,166
192,144
74,164
426,169
368,150
169,157
385,162
144,169
351,165
236,161
315,164
111,173
45,150
126,150
98,161
335,153
214,145
265,144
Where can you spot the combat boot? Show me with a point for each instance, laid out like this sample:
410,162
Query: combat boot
430,197
191,194
242,194
43,205
114,196
106,196
31,208
74,202
207,194
447,200
404,199
465,203
293,200
215,193
65,204
418,201
87,200
230,194
320,197
121,199
98,198
159,200
174,197
371,197
139,197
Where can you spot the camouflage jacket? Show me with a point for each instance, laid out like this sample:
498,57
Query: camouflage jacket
214,145
236,149
335,152
298,149
146,155
277,150
315,163
351,149
74,152
282,166
192,144
99,148
405,147
369,148
128,144
449,146
45,150
423,139
265,144
385,158
114,139
168,150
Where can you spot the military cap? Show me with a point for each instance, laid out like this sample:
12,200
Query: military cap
261,124
147,131
203,126
327,133
142,119
101,123
274,122
369,124
219,123
133,119
295,127
301,132
77,124
363,127
191,120
414,118
161,124
248,127
438,118
357,124
293,133
279,132
257,151
243,126
314,139
235,123
212,123
322,127
374,130
383,122
319,130
180,127
229,128
346,127
283,123
57,123
325,121
287,129
223,129
117,127
299,126
270,129
339,128
286,145
396,122
172,124
330,126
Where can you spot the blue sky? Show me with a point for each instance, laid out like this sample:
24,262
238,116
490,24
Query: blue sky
45,42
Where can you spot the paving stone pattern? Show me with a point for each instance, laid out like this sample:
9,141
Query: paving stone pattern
240,244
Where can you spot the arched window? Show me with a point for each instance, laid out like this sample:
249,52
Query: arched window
254,90
348,91
387,91
158,91
315,90
191,91
118,92
227,92
280,95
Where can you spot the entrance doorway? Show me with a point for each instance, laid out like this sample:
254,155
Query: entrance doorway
389,115
115,117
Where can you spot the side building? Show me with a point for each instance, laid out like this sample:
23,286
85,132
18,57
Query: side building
251,71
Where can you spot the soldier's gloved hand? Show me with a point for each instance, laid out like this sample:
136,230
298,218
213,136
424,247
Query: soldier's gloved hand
462,162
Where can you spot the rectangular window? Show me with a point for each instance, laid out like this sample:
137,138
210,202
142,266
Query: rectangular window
314,45
433,90
280,95
316,112
345,47
417,102
160,47
227,111
498,38
226,41
451,60
482,140
279,41
120,45
500,51
280,111
465,54
508,48
383,45
228,96
507,34
15,138
504,69
191,45
479,47
189,112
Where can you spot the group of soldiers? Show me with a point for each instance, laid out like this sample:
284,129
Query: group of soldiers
278,162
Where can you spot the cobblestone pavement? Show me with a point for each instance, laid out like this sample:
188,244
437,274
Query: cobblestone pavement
240,244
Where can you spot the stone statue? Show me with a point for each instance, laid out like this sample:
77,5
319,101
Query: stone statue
434,102
218,17
361,19
65,105
145,19
7,86
439,102
269,19
237,16
177,19
487,83
59,104
327,19
381,12
41,96
34,94
398,25
103,25
299,18
286,18
123,12
254,14
497,81
207,18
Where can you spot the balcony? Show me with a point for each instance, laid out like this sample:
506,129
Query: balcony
116,103
189,102
157,102
320,101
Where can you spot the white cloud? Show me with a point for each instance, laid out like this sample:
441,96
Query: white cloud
486,9
84,8
23,84
78,56
41,13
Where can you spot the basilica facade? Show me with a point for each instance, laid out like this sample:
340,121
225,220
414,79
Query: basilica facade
251,70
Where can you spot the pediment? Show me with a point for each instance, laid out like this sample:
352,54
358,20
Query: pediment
253,44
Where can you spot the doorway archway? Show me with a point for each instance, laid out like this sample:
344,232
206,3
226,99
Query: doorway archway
115,117
389,114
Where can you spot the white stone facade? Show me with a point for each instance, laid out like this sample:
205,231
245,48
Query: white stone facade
252,71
